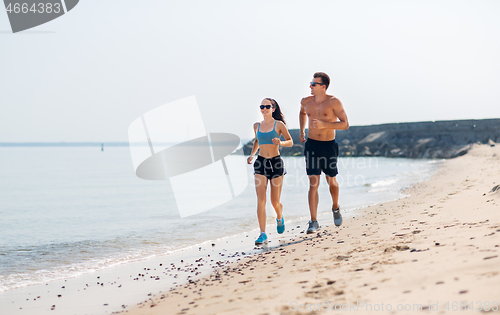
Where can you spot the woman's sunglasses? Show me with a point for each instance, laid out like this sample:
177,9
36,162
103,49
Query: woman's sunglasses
266,106
314,83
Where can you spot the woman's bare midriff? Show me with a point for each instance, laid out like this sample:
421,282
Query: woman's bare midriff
269,150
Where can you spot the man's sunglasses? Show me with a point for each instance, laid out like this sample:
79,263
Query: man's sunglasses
266,106
314,83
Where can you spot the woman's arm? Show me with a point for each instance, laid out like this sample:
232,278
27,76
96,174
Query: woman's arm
283,130
255,145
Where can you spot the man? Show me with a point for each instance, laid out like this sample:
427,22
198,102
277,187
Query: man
325,114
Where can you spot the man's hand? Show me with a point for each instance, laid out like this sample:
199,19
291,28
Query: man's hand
277,141
302,137
249,159
318,124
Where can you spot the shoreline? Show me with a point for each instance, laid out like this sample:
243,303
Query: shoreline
296,215
189,264
61,295
436,248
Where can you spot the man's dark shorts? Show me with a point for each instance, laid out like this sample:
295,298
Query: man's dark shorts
321,156
271,168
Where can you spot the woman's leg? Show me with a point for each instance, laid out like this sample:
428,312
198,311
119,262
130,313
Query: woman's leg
260,188
276,186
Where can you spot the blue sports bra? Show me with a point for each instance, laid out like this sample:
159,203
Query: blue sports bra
267,137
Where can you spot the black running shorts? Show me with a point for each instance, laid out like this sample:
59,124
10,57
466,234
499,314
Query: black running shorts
321,156
271,168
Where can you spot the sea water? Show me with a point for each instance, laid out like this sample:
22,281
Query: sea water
66,211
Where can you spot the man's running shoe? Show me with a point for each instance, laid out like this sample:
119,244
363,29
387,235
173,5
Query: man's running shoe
280,225
313,227
337,217
262,239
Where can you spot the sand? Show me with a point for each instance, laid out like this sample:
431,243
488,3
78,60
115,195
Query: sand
435,251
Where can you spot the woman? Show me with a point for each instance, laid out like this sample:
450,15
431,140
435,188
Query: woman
269,166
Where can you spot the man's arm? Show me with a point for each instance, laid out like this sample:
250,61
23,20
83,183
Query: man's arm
302,121
341,124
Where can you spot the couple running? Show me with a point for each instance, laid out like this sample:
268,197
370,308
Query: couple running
325,114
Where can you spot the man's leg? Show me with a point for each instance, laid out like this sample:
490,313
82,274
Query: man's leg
334,190
313,196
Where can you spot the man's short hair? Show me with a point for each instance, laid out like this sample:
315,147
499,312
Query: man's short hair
324,78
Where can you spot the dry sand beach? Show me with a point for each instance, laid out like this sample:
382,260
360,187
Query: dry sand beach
435,251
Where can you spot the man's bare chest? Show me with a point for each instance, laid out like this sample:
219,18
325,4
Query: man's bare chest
319,111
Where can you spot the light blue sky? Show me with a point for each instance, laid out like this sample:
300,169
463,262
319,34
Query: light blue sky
87,75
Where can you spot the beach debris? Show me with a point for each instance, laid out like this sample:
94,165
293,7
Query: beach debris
495,188
463,292
402,248
490,257
414,250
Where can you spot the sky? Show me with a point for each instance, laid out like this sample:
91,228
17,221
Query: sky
89,74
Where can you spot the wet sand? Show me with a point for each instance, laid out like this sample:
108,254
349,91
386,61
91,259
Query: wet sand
435,251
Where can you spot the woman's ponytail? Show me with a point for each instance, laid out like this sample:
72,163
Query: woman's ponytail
277,114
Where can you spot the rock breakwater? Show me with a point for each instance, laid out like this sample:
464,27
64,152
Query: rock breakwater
429,139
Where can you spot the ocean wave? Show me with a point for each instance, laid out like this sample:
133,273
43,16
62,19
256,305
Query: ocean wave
52,269
382,183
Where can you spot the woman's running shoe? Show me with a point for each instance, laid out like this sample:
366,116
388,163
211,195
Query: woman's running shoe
280,225
262,239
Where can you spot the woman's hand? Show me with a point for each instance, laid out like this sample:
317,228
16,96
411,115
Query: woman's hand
277,141
249,159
